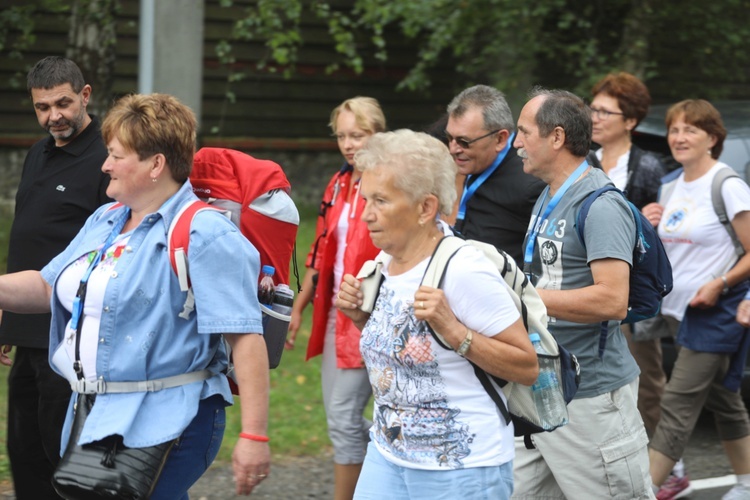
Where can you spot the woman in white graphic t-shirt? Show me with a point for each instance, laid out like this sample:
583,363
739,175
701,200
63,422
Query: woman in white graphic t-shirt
709,283
435,429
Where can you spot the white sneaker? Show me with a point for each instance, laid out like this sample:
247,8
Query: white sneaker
739,492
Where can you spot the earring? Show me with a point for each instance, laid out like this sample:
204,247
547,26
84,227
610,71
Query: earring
421,223
153,179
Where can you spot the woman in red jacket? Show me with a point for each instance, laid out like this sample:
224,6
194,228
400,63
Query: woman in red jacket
342,244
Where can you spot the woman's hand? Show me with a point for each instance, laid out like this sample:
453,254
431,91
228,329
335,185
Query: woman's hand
653,212
294,325
304,297
708,294
251,463
349,299
251,460
743,313
431,305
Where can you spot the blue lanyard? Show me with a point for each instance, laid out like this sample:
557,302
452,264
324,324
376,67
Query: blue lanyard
77,312
531,241
469,190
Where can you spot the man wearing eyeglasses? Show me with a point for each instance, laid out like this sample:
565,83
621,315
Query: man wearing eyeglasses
497,198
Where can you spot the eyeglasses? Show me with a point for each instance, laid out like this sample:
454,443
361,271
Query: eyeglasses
602,113
465,143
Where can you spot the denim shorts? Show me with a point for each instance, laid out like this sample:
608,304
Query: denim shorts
382,479
194,451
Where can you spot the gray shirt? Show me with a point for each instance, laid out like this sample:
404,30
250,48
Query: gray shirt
560,262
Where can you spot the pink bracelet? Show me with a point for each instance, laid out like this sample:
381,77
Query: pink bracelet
254,437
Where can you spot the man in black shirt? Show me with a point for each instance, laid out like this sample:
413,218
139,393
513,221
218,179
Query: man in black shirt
61,185
495,206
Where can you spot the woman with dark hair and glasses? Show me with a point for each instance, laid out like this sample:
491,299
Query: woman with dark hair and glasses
620,102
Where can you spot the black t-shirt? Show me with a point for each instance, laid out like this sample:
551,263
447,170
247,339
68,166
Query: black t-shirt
60,188
500,209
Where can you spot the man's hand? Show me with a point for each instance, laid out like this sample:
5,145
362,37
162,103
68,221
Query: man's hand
4,358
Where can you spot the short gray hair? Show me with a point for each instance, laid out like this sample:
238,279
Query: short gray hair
495,110
422,164
561,108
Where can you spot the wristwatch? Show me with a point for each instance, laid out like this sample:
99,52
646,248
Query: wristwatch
726,284
464,347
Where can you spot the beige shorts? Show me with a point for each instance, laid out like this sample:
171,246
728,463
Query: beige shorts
601,453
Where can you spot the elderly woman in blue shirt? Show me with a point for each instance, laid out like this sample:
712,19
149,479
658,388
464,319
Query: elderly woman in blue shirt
131,328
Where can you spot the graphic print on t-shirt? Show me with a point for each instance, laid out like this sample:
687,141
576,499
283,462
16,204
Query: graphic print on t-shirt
414,419
678,221
550,252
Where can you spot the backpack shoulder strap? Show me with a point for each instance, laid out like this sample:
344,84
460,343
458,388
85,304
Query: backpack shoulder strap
178,240
668,182
580,226
444,252
583,212
720,208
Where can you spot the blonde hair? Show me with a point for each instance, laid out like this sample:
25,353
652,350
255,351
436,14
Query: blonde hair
154,124
367,113
421,163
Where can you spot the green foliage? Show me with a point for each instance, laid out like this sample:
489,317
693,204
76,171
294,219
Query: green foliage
557,43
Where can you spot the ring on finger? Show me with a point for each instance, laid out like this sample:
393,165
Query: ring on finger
421,304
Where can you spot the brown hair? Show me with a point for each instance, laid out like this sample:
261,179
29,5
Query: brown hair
702,114
153,124
631,94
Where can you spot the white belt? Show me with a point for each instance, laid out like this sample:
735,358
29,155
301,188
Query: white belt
101,386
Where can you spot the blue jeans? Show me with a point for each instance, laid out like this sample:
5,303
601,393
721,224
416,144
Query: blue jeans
193,452
382,479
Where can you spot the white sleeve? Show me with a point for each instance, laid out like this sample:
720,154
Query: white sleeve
736,194
477,293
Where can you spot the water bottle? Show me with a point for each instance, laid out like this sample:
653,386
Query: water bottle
283,300
548,396
266,289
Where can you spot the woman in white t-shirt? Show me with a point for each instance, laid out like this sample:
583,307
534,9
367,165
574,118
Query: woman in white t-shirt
709,283
435,428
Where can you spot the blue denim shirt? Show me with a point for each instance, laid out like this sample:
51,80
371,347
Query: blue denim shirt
141,336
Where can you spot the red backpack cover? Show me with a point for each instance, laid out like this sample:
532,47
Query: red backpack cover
234,181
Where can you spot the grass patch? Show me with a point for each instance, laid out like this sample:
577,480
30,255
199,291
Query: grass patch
6,218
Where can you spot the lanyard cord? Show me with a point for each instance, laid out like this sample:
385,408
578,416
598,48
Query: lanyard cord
531,241
76,321
470,190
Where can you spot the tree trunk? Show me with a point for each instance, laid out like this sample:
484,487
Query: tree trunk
91,44
634,48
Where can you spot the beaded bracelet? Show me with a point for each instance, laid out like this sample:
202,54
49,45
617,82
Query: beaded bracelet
254,437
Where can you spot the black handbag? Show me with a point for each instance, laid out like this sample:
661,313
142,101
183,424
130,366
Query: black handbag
106,468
